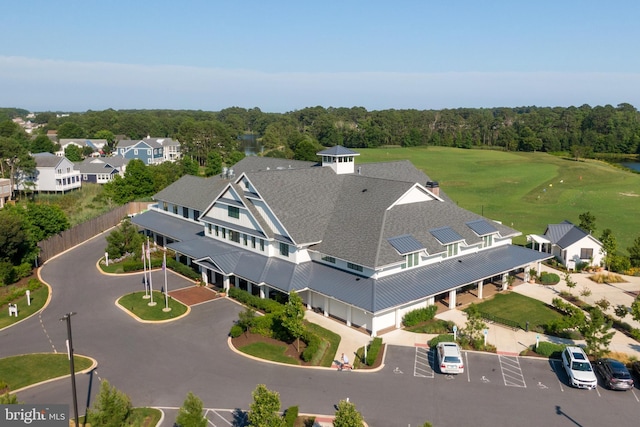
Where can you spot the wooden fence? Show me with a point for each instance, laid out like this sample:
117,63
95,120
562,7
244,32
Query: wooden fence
86,230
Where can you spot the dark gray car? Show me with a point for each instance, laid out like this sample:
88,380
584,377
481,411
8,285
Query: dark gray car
616,376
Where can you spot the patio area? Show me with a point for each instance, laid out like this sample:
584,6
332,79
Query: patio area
469,294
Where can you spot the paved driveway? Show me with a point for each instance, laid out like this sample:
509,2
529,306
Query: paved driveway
157,365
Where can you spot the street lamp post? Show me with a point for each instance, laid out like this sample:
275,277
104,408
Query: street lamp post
67,317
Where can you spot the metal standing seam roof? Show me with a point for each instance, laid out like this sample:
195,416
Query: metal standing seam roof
372,295
405,244
446,235
338,150
481,227
566,234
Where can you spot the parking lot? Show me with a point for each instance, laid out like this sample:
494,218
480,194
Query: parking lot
493,370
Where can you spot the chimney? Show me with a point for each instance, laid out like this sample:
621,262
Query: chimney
434,187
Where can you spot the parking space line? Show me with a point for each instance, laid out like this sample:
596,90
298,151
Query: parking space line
223,418
634,395
423,363
511,371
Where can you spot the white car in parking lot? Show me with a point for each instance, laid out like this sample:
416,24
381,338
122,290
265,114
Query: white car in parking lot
449,358
578,367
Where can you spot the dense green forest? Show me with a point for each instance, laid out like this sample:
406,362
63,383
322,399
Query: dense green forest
584,131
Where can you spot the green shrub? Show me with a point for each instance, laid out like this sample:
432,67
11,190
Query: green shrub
7,273
635,334
23,270
236,331
549,278
441,338
290,416
548,349
374,349
419,315
263,325
183,269
265,305
313,345
433,326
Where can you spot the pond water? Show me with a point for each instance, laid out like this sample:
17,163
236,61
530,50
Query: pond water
631,165
250,145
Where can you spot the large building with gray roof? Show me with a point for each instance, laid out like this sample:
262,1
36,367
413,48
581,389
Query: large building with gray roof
363,243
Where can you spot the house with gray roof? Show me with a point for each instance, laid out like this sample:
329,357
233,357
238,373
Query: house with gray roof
170,148
569,244
100,170
52,174
96,145
362,243
149,151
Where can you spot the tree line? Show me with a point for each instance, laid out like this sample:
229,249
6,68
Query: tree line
583,131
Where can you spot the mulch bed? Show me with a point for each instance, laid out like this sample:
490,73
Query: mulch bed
249,338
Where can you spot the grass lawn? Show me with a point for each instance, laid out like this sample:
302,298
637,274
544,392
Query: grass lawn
269,352
24,370
527,191
519,308
139,306
38,299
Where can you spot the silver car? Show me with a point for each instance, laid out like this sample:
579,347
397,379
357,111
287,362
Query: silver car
449,358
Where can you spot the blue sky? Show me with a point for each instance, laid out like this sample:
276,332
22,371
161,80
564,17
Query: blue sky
286,55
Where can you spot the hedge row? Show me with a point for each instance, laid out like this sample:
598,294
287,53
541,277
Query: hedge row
290,416
265,305
132,265
419,315
374,349
441,338
313,345
548,349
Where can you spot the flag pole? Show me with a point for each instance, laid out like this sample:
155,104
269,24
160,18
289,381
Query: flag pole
144,274
151,303
166,290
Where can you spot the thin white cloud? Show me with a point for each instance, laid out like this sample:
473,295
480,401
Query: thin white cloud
39,84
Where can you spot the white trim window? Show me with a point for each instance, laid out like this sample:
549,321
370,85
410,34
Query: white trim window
411,260
452,249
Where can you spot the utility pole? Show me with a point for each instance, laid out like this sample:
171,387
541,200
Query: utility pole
67,317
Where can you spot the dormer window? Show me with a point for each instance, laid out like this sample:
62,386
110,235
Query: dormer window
452,249
411,260
487,240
